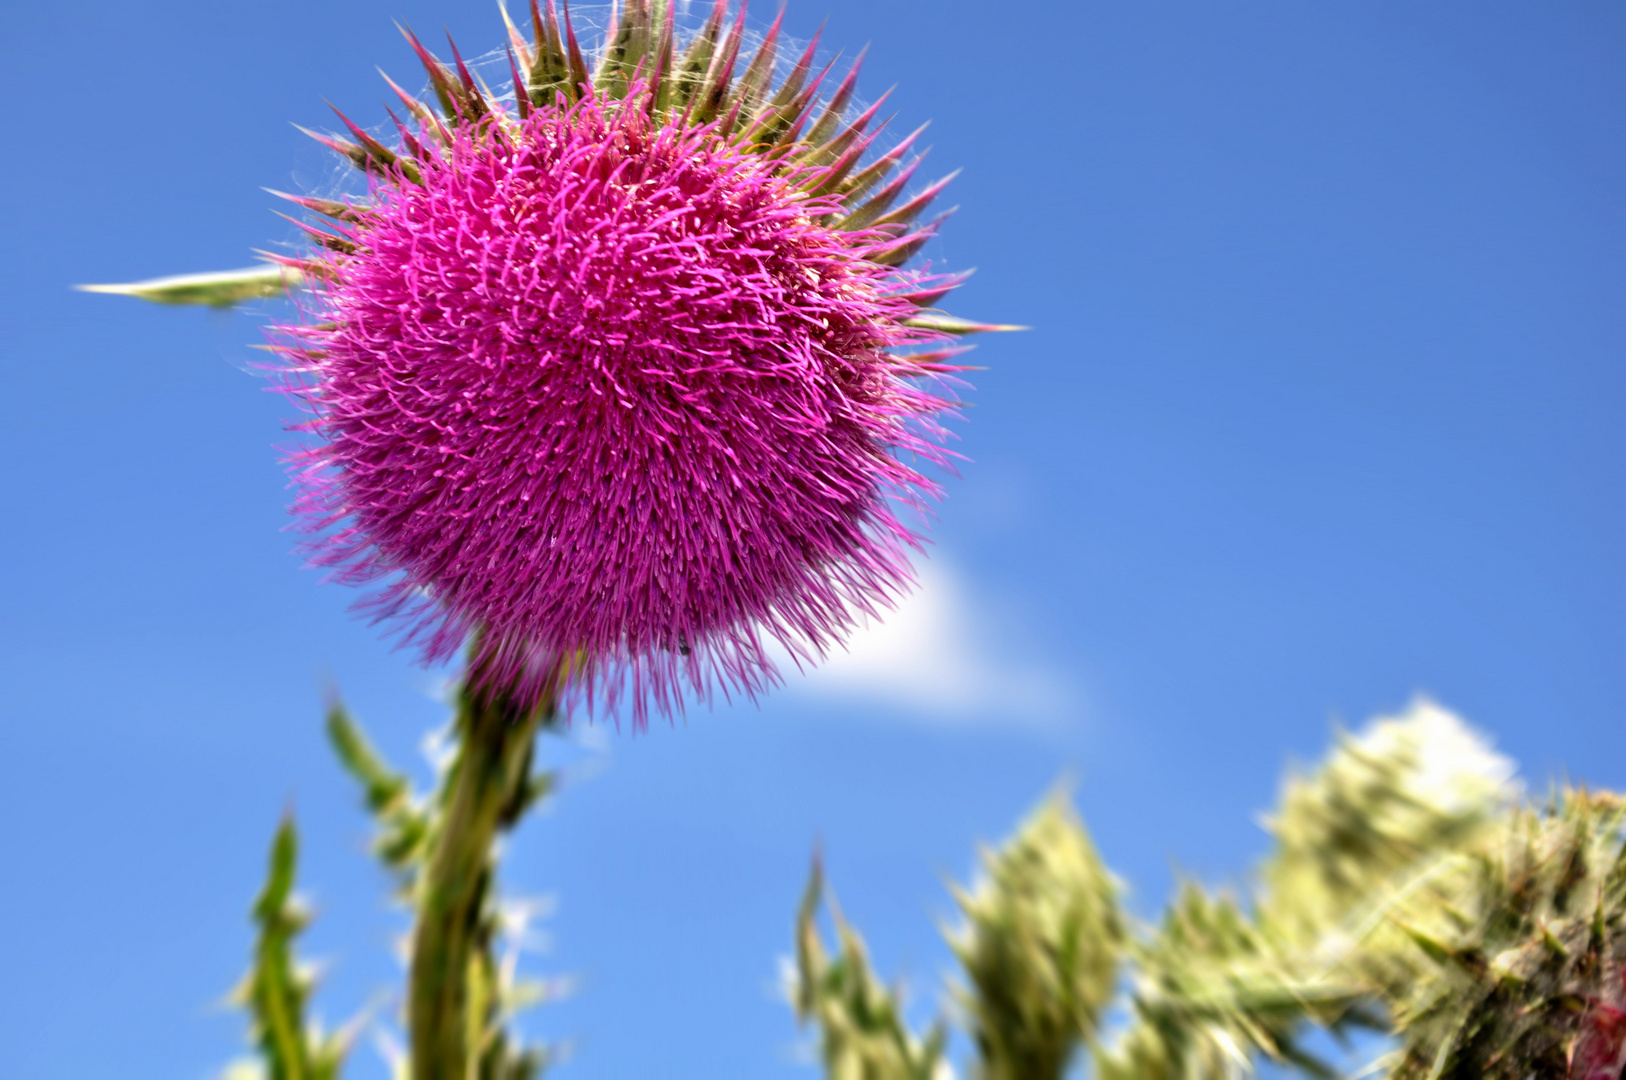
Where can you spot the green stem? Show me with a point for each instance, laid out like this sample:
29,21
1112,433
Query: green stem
484,795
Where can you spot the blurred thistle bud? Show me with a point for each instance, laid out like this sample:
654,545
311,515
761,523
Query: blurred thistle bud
1040,945
1212,993
1224,981
863,1034
1382,803
1520,951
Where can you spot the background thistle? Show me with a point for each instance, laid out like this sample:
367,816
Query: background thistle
1406,893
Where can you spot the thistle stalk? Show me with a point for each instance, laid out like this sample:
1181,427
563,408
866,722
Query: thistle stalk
450,999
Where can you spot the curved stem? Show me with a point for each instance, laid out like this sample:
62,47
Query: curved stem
484,794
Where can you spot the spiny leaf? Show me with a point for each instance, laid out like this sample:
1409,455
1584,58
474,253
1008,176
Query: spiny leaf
516,40
522,95
784,115
403,826
714,91
625,47
833,178
862,216
950,324
279,881
862,1033
275,991
901,250
377,154
578,65
440,76
333,243
358,155
218,289
936,291
827,152
910,210
417,108
383,787
660,75
472,100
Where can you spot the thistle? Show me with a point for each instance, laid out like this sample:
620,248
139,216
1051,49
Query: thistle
620,379
1405,892
620,375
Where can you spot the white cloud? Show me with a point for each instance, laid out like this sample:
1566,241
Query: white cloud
933,659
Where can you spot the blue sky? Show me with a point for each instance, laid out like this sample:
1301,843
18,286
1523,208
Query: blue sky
1322,408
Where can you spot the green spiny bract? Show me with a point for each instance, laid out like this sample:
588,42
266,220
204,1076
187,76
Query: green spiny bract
695,83
1040,946
708,77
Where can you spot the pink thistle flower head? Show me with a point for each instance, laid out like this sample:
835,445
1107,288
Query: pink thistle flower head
623,379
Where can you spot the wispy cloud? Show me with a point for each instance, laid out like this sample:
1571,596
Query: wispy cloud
936,659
